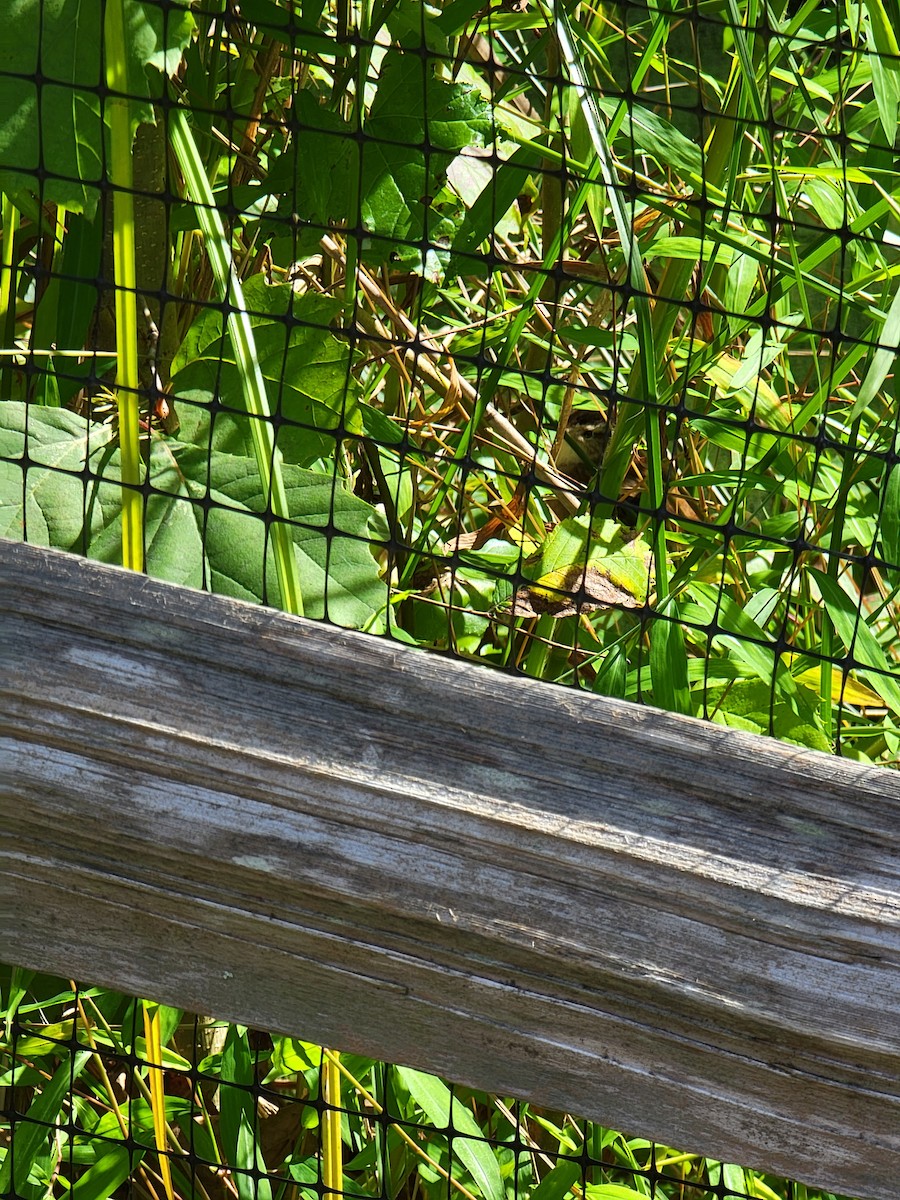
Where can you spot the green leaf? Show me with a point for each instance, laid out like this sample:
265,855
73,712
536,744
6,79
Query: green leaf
739,284
558,1182
889,523
30,1137
331,532
887,338
237,1118
416,126
456,15
226,549
60,41
730,1175
434,1098
850,626
45,502
750,704
414,109
306,370
108,1172
643,130
601,560
314,175
611,1191
747,641
687,247
506,183
612,673
17,988
884,61
668,666
755,394
289,27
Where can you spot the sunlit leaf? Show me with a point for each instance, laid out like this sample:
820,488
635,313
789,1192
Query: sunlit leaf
59,120
434,1098
852,628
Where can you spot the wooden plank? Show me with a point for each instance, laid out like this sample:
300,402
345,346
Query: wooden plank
679,930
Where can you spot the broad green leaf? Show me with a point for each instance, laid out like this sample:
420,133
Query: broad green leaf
306,370
828,200
752,705
417,124
508,181
314,175
413,25
845,689
693,249
758,355
747,641
730,1176
839,173
456,15
582,568
33,1044
291,1056
62,41
739,284
754,393
286,25
140,1121
412,109
434,1098
577,544
612,674
532,386
45,1039
226,550
45,504
859,640
331,533
589,335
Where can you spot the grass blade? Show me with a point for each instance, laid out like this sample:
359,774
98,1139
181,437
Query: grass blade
434,1098
30,1135
850,625
268,456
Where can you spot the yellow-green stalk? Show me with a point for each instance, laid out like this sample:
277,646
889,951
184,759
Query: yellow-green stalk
10,217
153,1040
118,116
332,1164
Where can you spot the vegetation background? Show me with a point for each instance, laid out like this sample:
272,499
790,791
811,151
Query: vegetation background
559,336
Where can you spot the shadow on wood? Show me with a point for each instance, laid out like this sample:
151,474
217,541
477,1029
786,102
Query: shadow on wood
672,928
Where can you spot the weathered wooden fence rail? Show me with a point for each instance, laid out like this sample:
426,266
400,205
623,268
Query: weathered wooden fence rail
675,929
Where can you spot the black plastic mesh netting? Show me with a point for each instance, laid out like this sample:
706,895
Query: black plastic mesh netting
559,336
246,1119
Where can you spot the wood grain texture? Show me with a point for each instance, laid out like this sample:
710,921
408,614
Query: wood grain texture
678,930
